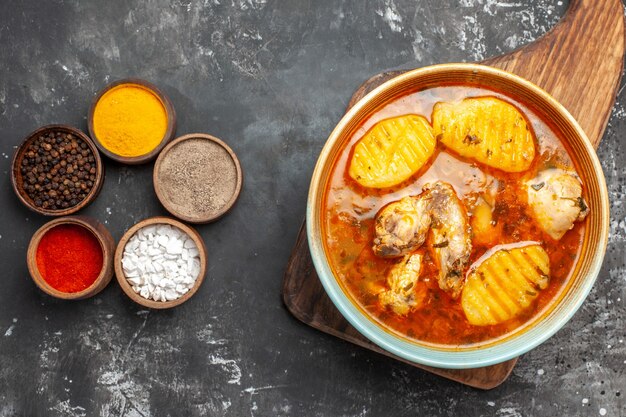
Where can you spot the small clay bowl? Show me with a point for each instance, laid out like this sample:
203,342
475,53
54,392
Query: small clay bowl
119,271
169,132
106,243
17,179
161,189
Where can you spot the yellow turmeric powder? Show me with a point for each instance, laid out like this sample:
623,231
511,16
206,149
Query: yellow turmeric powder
129,120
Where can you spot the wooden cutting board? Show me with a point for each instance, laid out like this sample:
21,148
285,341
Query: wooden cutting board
580,62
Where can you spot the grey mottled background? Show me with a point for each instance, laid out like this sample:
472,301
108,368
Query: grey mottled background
271,78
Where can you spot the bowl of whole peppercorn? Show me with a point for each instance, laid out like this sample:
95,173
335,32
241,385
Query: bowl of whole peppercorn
57,170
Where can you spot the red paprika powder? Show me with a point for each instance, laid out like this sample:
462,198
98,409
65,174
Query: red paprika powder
69,258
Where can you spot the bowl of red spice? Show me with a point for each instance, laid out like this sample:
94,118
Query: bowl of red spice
71,257
57,170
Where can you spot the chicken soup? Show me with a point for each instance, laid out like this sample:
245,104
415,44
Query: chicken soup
454,215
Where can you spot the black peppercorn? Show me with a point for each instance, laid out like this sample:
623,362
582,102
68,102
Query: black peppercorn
57,170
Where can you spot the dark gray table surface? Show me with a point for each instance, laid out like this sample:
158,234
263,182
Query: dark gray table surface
271,78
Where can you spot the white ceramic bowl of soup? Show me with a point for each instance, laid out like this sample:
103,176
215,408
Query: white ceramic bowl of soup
584,270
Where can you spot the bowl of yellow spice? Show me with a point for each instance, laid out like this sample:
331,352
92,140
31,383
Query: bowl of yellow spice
131,120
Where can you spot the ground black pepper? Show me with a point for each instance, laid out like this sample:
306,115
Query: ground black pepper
198,178
58,170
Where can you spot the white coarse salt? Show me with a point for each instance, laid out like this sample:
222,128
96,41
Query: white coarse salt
161,262
162,239
175,246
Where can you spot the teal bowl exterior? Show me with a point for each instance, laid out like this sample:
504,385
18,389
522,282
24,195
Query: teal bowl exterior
586,269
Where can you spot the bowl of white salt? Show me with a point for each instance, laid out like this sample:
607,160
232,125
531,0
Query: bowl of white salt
160,262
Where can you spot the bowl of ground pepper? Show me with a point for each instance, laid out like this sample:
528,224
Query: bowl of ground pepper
57,170
197,178
71,257
131,120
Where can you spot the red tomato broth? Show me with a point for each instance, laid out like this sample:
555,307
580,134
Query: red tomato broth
348,226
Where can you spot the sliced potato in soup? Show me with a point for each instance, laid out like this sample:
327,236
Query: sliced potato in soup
392,151
505,284
488,130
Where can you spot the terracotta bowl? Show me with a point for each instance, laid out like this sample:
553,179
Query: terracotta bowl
106,243
160,188
127,288
16,174
584,272
169,133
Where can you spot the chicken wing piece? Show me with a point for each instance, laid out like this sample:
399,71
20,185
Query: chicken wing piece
404,294
555,197
401,227
451,230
